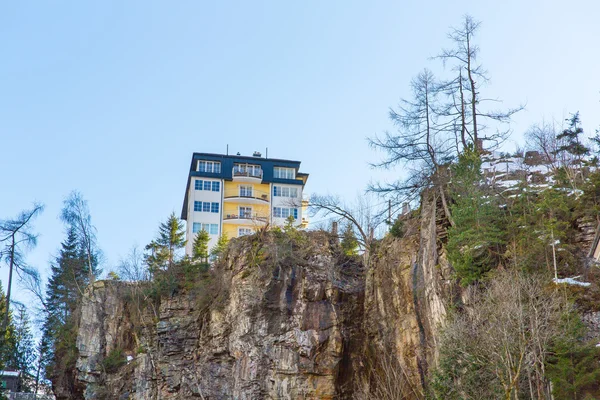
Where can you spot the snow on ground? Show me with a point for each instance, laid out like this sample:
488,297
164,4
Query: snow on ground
571,281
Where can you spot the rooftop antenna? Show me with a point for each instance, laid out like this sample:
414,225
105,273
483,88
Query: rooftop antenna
266,153
227,149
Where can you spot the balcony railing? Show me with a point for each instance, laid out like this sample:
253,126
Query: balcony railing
246,194
248,216
248,172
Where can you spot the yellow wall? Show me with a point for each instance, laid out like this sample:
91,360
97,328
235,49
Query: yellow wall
262,210
230,207
230,230
258,189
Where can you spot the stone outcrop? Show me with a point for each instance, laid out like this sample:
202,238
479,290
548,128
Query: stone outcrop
408,290
283,325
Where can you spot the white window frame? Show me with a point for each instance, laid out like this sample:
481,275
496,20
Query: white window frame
285,191
246,190
247,210
210,166
245,231
284,173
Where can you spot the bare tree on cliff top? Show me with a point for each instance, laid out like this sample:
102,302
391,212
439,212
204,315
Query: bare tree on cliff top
422,143
439,121
362,217
16,237
465,105
76,214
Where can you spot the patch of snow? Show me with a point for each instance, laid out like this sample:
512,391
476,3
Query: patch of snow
508,183
571,281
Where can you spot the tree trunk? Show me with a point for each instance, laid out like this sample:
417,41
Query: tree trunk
8,290
445,205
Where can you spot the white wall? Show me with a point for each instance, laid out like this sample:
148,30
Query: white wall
203,217
287,202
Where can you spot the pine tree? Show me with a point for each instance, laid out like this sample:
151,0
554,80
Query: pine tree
23,354
349,241
219,249
574,366
475,242
163,249
200,247
66,285
572,137
67,282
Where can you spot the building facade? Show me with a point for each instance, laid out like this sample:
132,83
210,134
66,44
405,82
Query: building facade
235,195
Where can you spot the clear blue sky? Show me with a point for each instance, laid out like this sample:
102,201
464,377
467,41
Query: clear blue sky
111,98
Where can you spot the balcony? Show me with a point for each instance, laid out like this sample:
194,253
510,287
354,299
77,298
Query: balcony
247,173
245,219
245,196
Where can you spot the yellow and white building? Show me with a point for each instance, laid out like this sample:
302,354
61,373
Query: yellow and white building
235,195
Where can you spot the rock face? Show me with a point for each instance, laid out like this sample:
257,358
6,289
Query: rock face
276,321
408,290
283,325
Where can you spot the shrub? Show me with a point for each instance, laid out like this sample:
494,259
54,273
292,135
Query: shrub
114,360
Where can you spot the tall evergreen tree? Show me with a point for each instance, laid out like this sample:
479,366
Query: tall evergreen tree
349,241
200,247
163,250
69,277
66,285
475,242
219,249
23,355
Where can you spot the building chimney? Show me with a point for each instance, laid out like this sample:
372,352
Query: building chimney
405,208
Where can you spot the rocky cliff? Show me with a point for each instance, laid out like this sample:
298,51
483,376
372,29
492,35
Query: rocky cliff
283,320
408,290
278,317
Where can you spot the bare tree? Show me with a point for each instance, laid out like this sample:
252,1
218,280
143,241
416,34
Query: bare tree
16,237
363,217
465,104
132,268
504,337
542,137
76,213
422,142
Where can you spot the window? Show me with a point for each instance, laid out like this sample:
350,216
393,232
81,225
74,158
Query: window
209,166
245,212
212,229
244,231
245,191
247,170
206,206
284,173
285,212
285,191
207,185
